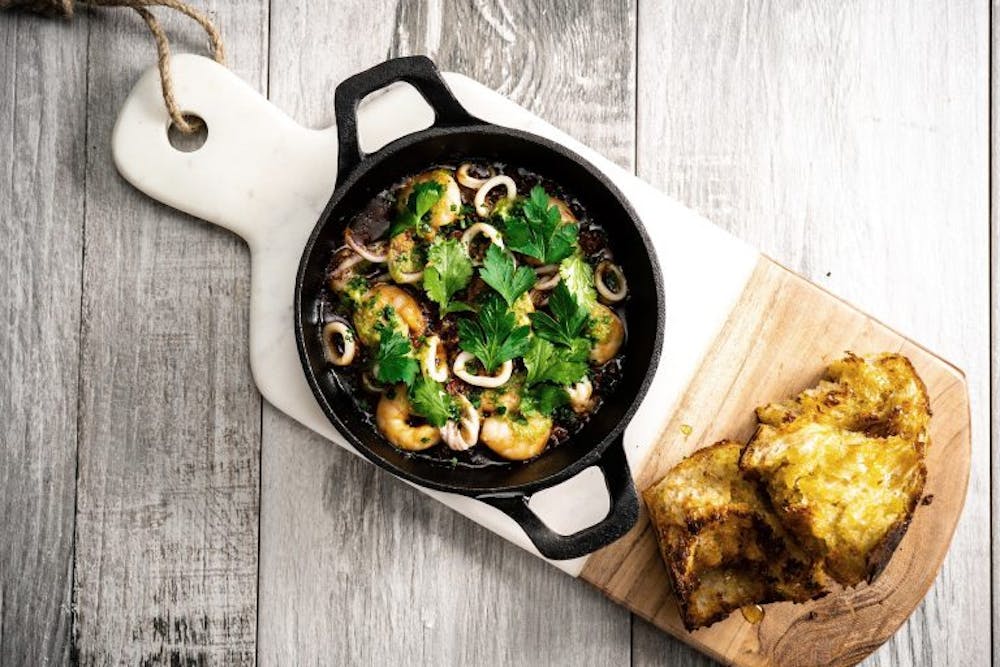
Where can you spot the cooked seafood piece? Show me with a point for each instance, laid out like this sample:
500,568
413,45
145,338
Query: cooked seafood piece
393,417
447,208
388,305
607,332
517,439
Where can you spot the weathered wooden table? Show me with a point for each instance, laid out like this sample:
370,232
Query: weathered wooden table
154,511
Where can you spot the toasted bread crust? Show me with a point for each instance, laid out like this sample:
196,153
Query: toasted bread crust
843,463
724,548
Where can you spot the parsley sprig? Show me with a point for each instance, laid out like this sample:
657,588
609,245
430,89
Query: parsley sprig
546,363
538,231
578,277
500,272
429,400
422,198
565,323
543,399
448,270
394,360
493,337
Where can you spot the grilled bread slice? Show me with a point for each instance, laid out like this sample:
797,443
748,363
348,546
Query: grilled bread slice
722,545
843,463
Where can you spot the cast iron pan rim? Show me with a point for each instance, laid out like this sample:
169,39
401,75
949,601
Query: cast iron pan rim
388,151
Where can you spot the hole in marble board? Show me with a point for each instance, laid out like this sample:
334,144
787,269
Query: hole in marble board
188,143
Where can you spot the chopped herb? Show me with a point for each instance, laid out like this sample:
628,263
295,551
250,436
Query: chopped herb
448,270
394,360
429,400
475,397
500,272
538,231
563,326
493,336
423,196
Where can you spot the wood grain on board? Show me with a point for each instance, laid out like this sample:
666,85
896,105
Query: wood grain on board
847,140
366,546
42,140
166,539
777,341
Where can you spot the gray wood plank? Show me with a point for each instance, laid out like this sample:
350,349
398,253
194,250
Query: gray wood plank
166,563
357,568
42,123
848,141
994,405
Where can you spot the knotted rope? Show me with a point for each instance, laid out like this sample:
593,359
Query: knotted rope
64,9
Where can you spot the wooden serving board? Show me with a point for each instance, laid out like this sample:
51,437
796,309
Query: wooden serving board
779,337
741,331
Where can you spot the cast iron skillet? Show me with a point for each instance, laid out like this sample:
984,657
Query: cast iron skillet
457,134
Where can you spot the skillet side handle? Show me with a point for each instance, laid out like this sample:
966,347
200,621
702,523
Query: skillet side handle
622,515
418,71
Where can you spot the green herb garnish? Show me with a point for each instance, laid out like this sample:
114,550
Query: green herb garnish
543,399
394,360
493,337
422,198
429,400
565,323
448,270
539,230
500,272
546,363
578,277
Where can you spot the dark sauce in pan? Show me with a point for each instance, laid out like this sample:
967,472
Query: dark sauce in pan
372,223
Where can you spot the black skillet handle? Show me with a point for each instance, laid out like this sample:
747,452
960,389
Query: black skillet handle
418,71
620,518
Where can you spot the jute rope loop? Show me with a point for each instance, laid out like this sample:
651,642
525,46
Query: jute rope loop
64,8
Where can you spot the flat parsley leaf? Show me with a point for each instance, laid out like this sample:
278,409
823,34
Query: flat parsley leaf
539,230
565,323
578,277
547,364
448,270
429,400
499,272
493,336
394,360
423,196
543,399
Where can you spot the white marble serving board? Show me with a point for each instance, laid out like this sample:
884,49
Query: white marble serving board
266,178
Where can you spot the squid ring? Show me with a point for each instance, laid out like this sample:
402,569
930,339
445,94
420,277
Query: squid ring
330,333
462,434
609,295
429,360
359,248
468,180
551,279
485,381
480,199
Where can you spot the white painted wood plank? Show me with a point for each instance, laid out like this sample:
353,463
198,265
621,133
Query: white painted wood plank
849,142
42,125
357,568
166,563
